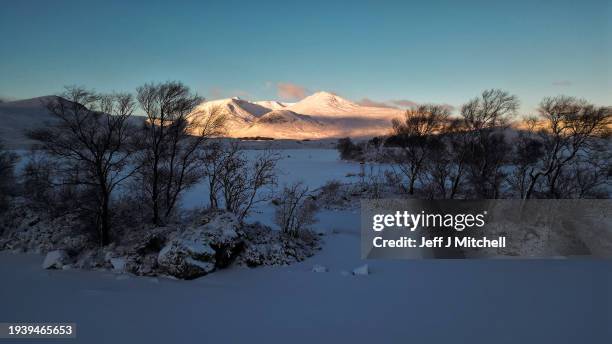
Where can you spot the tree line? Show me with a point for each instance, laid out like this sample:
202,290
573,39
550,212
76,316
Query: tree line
562,152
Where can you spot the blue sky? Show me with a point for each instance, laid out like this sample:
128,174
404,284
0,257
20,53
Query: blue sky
425,51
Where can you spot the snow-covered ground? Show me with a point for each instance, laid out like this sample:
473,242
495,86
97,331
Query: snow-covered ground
402,301
313,167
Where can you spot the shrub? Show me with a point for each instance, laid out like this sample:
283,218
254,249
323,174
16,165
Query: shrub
349,150
7,176
296,210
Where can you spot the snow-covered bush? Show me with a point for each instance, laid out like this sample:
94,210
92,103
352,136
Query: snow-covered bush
200,244
331,193
264,246
27,230
7,176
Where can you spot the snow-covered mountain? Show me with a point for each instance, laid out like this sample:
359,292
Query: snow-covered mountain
17,117
238,113
321,115
325,104
284,124
273,104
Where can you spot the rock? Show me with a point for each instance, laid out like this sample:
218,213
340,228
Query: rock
211,242
118,264
55,259
90,259
362,270
319,268
186,259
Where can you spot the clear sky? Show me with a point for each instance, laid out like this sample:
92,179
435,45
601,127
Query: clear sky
422,51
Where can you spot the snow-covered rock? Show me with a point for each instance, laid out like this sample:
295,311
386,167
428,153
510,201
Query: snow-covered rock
55,259
118,264
205,242
211,241
319,268
90,259
186,259
362,270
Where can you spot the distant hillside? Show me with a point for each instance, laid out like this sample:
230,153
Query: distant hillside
20,116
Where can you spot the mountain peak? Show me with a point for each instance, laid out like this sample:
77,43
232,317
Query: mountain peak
324,94
323,102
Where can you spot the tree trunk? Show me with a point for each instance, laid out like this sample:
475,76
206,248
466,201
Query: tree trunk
155,192
104,221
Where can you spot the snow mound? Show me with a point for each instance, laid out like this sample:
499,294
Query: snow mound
363,270
319,268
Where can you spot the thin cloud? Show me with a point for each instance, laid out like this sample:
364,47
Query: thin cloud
289,91
393,103
404,103
373,103
397,104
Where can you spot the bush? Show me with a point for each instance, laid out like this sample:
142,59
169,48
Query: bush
7,176
296,209
348,150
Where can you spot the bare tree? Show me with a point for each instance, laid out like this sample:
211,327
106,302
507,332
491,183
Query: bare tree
295,211
570,127
414,135
90,141
172,143
213,165
439,169
484,149
241,181
586,177
527,152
